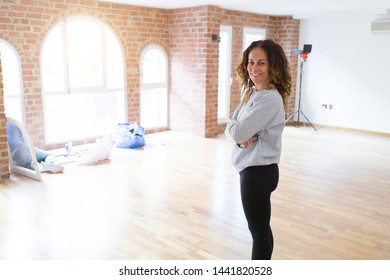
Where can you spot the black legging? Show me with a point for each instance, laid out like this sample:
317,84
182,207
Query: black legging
257,184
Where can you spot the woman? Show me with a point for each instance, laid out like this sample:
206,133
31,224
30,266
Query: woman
256,127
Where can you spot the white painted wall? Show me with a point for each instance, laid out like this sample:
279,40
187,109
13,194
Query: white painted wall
348,67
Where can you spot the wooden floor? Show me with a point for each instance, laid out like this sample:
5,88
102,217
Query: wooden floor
178,198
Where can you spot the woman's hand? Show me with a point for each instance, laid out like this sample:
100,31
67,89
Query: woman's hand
248,142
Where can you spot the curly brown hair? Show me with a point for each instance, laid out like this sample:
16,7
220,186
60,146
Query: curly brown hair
279,70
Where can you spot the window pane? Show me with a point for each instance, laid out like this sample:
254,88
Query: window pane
92,101
154,107
53,75
11,82
11,76
251,35
114,61
85,54
13,108
154,67
80,116
224,73
154,92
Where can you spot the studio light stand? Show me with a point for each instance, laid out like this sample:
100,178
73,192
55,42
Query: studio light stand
303,56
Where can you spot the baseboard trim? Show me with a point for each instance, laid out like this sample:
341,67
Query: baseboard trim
321,126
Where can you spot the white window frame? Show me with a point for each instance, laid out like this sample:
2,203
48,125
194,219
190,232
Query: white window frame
14,95
154,85
224,75
251,34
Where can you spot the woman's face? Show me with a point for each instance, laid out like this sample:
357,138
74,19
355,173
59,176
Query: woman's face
258,68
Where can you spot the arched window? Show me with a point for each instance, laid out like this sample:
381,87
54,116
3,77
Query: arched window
82,80
154,87
12,82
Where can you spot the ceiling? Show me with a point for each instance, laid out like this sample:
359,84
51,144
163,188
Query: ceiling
296,8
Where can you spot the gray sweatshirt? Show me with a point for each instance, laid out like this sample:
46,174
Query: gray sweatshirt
263,115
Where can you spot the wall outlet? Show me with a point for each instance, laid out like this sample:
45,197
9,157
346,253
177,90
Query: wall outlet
328,106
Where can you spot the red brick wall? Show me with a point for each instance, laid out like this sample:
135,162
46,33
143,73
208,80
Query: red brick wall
184,33
194,70
4,168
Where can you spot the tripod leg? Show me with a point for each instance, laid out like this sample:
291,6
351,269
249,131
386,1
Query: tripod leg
308,120
292,115
299,112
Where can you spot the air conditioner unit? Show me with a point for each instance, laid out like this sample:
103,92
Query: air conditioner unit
380,26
